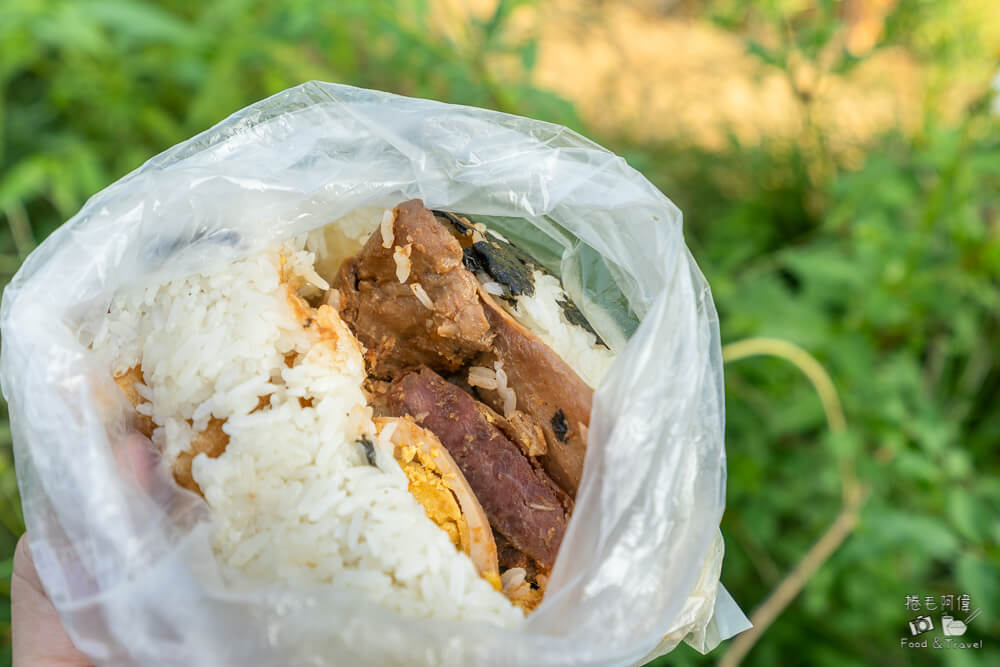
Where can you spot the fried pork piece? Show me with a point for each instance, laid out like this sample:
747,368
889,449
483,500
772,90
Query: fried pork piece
408,298
546,388
463,325
521,502
212,441
127,382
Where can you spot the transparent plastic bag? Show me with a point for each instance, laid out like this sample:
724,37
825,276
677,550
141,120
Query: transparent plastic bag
132,574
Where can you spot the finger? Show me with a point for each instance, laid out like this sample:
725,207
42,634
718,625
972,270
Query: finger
136,459
37,635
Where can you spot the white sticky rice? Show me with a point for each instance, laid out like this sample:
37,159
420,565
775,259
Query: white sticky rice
542,315
293,498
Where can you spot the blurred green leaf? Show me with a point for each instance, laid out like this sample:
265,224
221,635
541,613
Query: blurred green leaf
969,516
978,579
23,181
141,21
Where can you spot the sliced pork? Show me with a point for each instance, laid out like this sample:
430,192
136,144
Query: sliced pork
521,502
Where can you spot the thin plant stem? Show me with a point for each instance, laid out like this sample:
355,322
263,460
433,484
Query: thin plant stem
854,493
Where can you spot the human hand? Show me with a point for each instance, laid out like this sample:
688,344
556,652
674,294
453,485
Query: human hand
38,637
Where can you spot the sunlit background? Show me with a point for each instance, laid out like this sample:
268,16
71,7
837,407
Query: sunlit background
838,165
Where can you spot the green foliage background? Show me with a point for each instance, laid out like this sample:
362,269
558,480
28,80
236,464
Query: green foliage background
887,272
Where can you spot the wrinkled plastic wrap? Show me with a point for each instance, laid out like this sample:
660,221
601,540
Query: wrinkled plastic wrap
132,574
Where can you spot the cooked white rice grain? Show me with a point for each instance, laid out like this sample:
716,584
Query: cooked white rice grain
480,376
506,393
494,288
401,256
385,226
421,294
512,578
303,265
332,299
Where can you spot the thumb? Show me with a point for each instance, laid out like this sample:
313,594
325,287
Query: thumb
37,635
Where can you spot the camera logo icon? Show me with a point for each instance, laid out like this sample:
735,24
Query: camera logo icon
920,625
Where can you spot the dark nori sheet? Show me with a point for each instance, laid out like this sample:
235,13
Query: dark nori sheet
501,262
369,448
574,316
508,265
559,425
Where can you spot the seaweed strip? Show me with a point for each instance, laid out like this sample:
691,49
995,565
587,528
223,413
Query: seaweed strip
510,266
574,316
559,425
369,448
